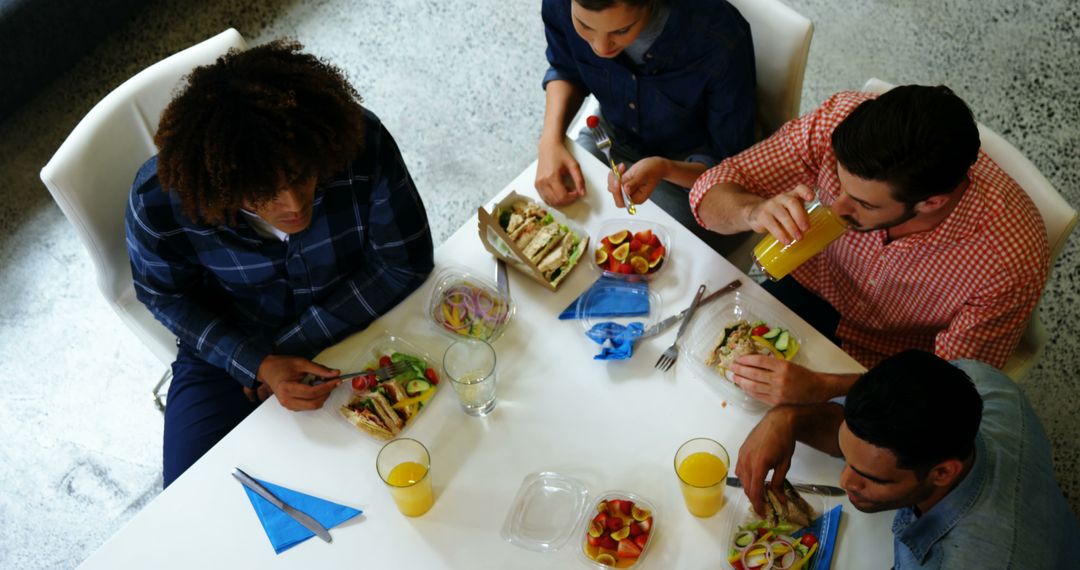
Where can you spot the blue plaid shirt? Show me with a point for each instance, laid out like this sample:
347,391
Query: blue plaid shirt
694,95
234,297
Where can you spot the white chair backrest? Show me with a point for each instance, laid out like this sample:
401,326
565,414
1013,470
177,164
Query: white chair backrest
1058,216
781,46
91,173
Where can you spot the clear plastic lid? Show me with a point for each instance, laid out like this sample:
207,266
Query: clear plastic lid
707,331
552,509
648,240
463,305
604,294
545,511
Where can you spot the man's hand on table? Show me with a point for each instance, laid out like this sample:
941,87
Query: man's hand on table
769,447
784,215
553,163
282,376
776,381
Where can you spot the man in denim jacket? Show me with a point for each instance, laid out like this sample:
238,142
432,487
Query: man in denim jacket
955,449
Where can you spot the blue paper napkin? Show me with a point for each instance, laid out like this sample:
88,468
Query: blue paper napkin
610,297
282,530
616,341
825,529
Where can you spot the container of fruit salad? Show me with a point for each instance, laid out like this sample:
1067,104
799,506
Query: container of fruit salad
551,510
753,543
383,408
464,305
631,249
720,334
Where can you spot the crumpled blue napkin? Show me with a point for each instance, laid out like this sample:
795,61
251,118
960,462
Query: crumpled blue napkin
825,529
282,530
610,297
616,341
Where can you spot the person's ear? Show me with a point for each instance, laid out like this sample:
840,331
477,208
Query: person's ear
932,204
944,474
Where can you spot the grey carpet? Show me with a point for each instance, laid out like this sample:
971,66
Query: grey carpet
458,83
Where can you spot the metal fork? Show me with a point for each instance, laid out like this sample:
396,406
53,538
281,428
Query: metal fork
603,142
381,374
672,353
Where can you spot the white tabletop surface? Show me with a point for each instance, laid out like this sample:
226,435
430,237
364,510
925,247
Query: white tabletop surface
611,425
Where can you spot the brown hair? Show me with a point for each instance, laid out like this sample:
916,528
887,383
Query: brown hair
253,122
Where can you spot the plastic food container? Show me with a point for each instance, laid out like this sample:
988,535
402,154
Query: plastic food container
369,358
552,510
656,259
823,529
705,333
464,305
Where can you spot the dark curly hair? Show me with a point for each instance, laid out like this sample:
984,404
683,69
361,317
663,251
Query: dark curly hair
252,122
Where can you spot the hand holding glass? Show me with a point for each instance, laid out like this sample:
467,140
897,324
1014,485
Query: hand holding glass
702,466
777,259
405,466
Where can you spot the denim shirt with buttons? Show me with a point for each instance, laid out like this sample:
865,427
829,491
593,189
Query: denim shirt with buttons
694,93
1008,512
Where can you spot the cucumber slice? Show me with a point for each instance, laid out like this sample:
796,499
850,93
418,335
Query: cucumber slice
772,333
757,324
744,539
415,387
781,343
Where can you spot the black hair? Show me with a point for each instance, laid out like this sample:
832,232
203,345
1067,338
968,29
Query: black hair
918,406
920,140
601,5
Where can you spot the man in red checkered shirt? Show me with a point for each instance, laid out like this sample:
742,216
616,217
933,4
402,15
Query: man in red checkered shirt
948,253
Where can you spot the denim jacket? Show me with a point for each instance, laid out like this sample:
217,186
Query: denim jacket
695,93
1008,512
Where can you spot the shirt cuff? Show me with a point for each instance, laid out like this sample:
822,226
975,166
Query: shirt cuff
245,361
705,159
552,74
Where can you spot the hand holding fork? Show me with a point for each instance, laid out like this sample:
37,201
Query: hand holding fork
603,142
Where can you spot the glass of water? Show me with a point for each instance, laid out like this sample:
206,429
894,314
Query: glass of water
470,366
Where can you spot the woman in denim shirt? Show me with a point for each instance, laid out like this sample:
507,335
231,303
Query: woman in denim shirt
675,82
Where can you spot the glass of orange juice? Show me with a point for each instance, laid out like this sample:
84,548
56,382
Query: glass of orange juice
702,466
405,466
777,259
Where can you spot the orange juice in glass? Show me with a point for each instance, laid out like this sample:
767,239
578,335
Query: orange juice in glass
405,466
777,259
702,466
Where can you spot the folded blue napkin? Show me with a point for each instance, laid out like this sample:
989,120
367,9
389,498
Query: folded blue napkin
282,530
616,341
825,529
610,297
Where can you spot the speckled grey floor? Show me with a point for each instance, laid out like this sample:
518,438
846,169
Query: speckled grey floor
457,82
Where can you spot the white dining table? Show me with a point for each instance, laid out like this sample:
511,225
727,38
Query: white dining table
609,424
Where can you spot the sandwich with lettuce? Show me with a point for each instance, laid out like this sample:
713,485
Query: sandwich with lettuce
550,246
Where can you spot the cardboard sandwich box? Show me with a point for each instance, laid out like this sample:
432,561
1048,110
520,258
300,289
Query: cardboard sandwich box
534,239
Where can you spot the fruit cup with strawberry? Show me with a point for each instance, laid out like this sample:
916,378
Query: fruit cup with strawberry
628,253
619,532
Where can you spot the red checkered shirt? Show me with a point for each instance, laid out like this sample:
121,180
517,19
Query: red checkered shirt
962,290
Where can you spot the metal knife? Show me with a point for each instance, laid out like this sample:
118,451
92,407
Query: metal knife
301,517
503,278
664,324
812,488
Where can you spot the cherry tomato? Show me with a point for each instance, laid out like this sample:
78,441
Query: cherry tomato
431,375
760,330
808,540
359,383
385,361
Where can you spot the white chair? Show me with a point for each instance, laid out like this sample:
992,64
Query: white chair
91,173
1058,217
781,47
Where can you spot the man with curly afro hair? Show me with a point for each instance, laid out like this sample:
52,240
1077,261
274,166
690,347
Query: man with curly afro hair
277,218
